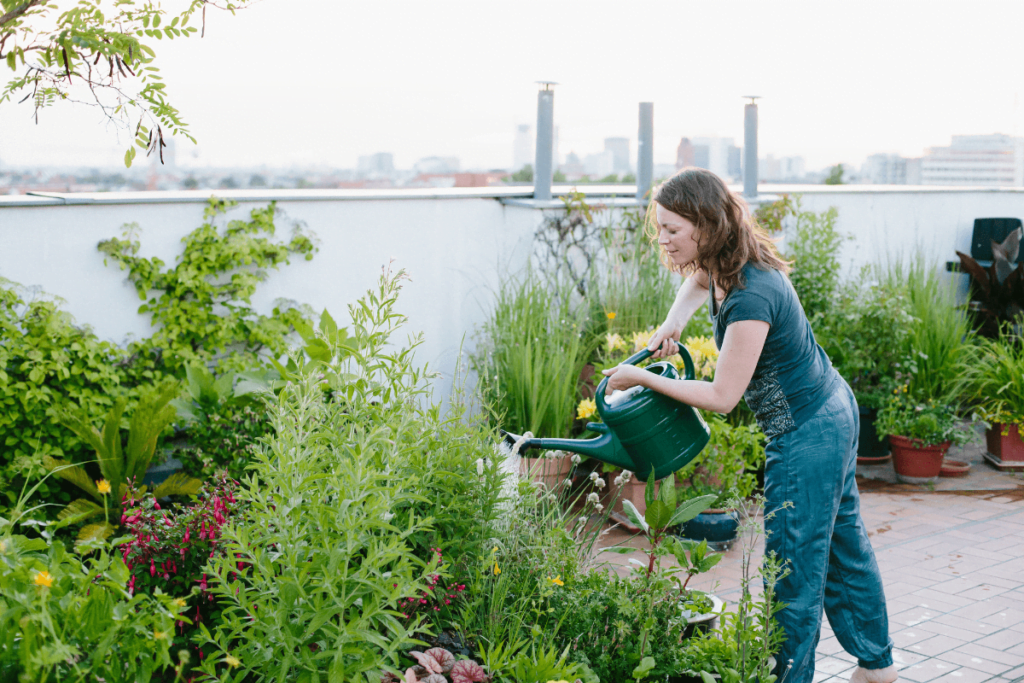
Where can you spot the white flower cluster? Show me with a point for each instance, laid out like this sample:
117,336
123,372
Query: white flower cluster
576,459
596,480
592,497
623,478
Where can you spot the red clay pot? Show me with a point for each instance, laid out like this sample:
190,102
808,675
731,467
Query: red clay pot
916,465
1008,447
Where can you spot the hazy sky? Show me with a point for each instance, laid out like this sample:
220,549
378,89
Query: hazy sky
324,81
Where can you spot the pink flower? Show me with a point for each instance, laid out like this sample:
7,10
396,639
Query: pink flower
186,535
152,568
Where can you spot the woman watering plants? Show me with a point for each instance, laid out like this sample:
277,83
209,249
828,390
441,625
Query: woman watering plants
769,356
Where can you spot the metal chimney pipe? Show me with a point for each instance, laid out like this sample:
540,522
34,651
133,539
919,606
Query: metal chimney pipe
750,147
543,167
645,152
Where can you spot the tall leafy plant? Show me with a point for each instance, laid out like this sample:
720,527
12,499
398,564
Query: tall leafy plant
337,511
993,379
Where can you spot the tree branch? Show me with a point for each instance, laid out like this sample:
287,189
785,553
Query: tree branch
18,11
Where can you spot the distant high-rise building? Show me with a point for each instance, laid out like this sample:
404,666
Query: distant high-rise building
772,170
989,160
619,147
437,165
718,155
523,146
379,164
599,165
684,154
885,169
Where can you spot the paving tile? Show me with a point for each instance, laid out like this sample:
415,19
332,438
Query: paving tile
937,645
958,627
915,616
1014,674
975,662
1010,659
927,595
1006,640
832,666
1005,618
928,670
901,659
979,609
910,635
966,675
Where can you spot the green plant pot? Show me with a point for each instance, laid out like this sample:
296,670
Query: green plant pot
870,450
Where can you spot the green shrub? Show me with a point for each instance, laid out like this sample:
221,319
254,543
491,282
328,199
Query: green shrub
337,522
727,467
866,336
814,250
47,363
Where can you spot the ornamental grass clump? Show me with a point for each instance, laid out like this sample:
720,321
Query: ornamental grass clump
993,379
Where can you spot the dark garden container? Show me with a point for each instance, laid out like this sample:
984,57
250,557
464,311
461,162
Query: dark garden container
717,527
870,450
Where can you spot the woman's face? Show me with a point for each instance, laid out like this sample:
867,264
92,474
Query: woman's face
677,236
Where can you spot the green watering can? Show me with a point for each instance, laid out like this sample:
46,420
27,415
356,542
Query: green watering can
645,432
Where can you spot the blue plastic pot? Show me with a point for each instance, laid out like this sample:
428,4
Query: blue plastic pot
717,527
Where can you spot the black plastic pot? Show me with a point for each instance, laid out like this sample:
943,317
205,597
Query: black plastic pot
868,445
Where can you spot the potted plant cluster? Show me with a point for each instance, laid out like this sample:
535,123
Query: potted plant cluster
920,434
993,381
725,470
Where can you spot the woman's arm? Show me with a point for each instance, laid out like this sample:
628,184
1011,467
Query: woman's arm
690,297
741,348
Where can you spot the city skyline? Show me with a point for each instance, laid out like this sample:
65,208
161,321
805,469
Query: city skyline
447,82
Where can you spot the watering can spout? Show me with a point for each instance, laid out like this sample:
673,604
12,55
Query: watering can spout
605,447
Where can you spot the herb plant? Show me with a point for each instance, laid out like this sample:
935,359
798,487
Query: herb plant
993,379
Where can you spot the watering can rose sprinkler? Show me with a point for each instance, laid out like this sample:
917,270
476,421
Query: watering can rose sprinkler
642,431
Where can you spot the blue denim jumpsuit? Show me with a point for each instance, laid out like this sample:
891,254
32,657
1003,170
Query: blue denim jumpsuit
812,421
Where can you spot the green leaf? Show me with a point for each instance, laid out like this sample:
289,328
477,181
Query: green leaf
79,511
634,515
649,496
95,532
658,515
645,666
319,350
692,508
667,492
178,484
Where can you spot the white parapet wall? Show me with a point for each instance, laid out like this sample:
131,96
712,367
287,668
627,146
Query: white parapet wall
453,243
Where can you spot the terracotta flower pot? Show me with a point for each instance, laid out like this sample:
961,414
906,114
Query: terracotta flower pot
915,464
550,471
1005,451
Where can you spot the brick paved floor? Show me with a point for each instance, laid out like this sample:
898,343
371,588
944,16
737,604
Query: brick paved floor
953,567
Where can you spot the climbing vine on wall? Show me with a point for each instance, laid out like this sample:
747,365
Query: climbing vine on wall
201,307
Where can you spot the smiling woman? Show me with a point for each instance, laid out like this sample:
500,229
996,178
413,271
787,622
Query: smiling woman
805,409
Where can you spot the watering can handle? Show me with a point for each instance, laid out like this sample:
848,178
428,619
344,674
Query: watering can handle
644,354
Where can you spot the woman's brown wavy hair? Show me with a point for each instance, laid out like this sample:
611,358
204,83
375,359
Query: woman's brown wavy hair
728,237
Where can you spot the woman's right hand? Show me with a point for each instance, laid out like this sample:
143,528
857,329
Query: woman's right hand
663,342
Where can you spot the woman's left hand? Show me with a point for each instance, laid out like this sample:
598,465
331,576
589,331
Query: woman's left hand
623,377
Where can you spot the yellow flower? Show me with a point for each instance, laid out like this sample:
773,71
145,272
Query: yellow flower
704,354
586,408
614,342
103,486
158,635
3,546
232,661
558,681
557,581
43,579
497,569
642,339
611,315
180,602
